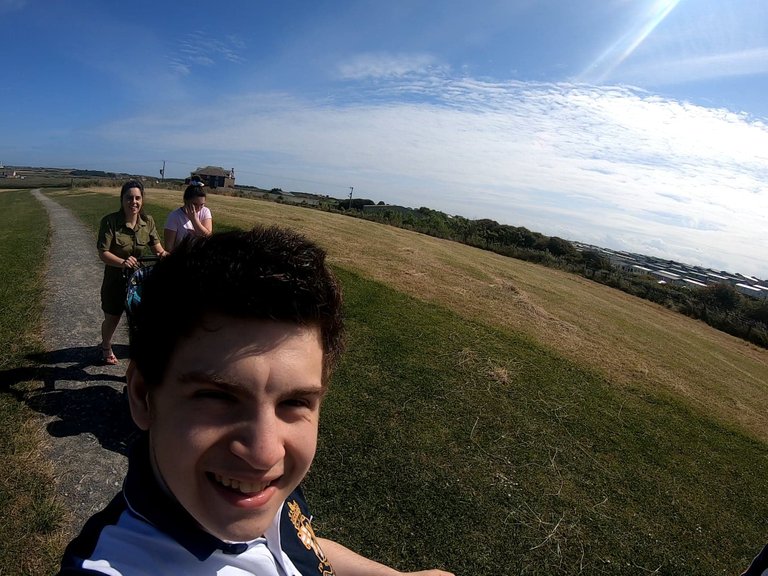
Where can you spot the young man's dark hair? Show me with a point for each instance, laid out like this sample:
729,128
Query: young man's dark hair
267,273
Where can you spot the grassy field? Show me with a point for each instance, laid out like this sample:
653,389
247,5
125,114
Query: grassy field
29,514
635,344
495,417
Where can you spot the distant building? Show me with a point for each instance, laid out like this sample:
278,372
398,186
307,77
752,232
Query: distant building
637,269
699,276
668,277
691,283
750,290
717,277
214,177
622,262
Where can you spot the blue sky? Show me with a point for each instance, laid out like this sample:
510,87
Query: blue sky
638,125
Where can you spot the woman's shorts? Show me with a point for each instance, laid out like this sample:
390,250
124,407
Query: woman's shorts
113,294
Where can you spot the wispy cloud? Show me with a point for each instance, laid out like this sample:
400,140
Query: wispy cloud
384,65
613,166
746,62
198,49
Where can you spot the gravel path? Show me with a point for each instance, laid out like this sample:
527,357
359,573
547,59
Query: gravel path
84,411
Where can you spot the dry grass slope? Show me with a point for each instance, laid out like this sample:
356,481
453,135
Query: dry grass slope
633,343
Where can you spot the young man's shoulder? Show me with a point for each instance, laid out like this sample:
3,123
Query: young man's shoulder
118,541
298,537
759,566
143,531
82,548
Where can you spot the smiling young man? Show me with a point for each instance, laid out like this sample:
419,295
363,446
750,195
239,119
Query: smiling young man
232,348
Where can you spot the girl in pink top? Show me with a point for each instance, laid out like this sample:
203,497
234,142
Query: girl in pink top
192,219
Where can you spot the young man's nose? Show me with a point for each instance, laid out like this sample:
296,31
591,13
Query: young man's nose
259,443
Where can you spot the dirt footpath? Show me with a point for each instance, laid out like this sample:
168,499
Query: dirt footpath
82,403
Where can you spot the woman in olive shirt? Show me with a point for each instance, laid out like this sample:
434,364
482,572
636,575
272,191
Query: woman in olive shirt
123,237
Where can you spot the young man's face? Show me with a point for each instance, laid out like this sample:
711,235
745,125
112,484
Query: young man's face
233,425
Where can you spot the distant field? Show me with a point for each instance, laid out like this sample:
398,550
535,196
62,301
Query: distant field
635,344
497,417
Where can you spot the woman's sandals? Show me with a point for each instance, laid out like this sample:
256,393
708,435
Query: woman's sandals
107,356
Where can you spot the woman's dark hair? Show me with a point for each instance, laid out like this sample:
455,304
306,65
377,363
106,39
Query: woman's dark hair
131,184
194,190
267,273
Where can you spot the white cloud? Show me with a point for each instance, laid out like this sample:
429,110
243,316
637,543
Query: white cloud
384,65
198,49
599,165
746,62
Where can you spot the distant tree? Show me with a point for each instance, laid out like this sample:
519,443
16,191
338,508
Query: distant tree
593,261
559,247
528,239
721,295
757,310
358,203
380,203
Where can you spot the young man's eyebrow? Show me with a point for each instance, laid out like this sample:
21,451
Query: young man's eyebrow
202,377
306,391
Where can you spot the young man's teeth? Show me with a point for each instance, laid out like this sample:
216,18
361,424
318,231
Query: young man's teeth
244,487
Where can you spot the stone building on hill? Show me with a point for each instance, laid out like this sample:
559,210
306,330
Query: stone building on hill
214,177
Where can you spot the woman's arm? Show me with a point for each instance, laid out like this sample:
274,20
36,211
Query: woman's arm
169,238
207,225
113,260
159,250
154,239
348,563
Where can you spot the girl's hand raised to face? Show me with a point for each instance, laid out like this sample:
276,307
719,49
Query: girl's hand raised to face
190,211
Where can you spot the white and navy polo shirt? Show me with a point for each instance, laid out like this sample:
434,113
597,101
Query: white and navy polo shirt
759,566
143,531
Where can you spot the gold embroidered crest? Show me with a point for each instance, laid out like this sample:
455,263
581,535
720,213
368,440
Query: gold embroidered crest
307,537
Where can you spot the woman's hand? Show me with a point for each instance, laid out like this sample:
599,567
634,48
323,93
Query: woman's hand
131,263
199,227
189,210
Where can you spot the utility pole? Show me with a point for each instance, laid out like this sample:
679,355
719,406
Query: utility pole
350,196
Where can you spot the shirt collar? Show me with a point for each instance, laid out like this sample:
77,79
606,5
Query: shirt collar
146,499
141,221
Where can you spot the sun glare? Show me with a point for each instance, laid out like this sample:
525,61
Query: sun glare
599,70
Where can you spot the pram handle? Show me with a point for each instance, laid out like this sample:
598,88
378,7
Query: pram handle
143,262
143,259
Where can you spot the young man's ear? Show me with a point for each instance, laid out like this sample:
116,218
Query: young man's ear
138,397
